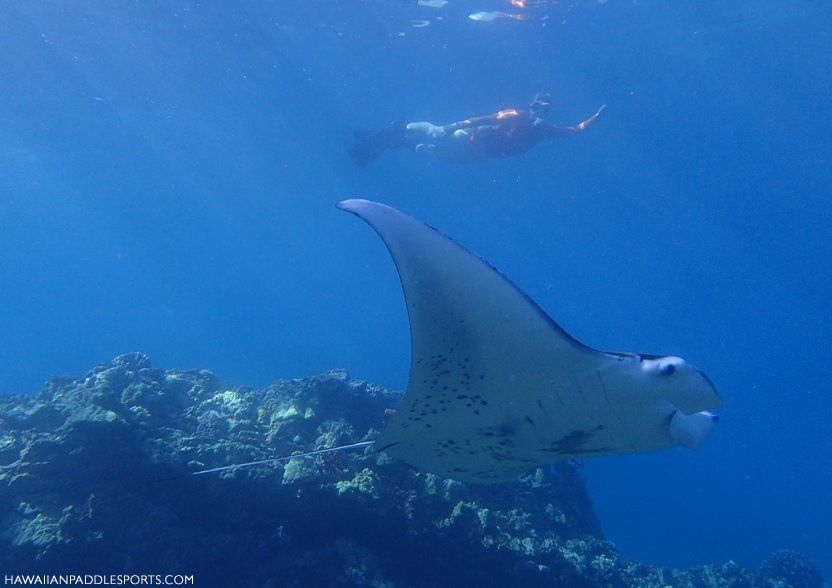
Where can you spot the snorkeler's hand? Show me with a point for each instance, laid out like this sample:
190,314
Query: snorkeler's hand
580,126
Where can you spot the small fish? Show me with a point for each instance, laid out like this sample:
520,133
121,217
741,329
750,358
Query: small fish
433,3
489,16
419,24
531,3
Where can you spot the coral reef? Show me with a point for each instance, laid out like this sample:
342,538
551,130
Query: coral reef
94,477
787,568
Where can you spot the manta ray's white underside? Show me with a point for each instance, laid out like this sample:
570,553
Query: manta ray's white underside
497,387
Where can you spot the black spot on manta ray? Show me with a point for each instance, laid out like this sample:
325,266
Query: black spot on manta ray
506,428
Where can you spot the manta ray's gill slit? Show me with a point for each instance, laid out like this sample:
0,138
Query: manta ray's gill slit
607,397
571,443
580,391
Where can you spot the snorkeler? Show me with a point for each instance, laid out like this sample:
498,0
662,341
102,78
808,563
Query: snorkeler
502,134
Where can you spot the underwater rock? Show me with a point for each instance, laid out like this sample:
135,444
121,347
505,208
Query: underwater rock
94,477
787,568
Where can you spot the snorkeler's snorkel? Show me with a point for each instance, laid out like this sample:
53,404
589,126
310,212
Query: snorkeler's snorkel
540,108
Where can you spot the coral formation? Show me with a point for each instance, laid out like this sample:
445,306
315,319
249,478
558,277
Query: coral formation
94,478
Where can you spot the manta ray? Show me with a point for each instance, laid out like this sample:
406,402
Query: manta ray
497,387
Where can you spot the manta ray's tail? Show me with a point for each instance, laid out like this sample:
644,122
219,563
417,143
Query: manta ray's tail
285,457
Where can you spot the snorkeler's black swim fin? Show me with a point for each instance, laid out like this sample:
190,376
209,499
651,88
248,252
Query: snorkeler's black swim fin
369,145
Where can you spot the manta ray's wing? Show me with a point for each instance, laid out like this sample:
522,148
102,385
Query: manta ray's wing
496,386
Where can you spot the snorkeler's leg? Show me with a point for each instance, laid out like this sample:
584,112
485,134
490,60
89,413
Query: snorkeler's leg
456,147
424,130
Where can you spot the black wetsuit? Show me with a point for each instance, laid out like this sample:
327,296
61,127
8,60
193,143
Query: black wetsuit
506,136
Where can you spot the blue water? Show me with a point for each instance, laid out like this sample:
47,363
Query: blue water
168,172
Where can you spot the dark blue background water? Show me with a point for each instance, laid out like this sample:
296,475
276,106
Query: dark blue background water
168,172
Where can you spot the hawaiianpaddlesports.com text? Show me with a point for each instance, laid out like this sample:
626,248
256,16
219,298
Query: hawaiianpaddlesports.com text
98,580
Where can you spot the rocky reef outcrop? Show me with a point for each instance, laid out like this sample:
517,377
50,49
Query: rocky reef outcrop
94,479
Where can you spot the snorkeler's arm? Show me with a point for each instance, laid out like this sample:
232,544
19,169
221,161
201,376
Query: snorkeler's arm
480,120
582,126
